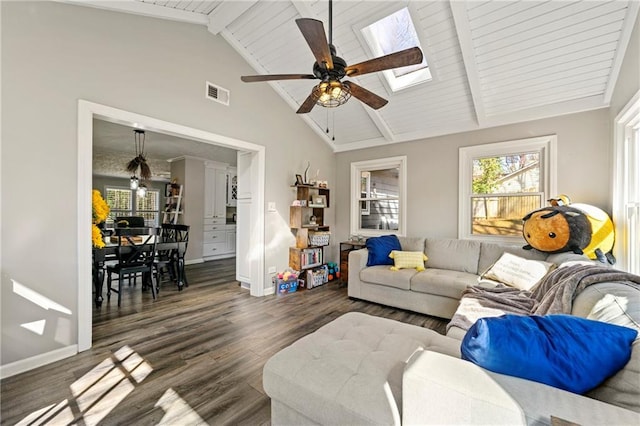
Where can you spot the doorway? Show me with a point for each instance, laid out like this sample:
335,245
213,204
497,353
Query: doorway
87,111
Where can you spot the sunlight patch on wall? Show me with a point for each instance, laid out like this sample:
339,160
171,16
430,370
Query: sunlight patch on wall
36,326
38,299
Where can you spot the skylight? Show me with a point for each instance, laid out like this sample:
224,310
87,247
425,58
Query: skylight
392,34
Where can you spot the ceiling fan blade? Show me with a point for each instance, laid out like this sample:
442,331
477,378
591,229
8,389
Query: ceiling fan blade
307,105
313,32
369,98
403,58
270,77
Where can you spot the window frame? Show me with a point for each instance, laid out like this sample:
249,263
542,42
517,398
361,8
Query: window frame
626,131
546,145
404,81
378,164
134,202
409,79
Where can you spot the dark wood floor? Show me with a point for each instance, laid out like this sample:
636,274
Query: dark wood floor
188,357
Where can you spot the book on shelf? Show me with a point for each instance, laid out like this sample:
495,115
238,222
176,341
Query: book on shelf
311,257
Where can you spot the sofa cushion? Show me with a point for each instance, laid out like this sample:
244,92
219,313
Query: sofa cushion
455,255
518,272
610,302
563,351
442,282
382,275
380,248
619,304
350,370
623,388
412,243
491,252
407,259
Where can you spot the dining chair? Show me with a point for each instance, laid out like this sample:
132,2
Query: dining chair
133,257
129,222
170,256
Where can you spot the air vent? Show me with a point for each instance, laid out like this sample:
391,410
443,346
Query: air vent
217,93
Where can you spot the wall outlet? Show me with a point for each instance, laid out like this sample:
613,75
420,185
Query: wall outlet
271,270
271,206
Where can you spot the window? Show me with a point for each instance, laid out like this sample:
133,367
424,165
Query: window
121,203
626,187
391,34
378,189
500,183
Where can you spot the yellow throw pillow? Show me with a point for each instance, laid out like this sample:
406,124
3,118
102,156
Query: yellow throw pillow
407,259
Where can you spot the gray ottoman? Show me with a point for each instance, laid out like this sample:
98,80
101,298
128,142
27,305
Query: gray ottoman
347,372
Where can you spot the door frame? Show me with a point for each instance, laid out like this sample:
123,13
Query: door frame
87,111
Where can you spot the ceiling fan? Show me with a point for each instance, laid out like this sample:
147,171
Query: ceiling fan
331,69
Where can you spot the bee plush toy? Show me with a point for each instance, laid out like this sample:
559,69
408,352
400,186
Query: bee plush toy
580,228
557,229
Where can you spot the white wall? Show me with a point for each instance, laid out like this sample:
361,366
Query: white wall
55,54
584,142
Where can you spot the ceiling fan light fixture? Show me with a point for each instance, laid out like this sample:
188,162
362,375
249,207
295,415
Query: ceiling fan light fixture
331,94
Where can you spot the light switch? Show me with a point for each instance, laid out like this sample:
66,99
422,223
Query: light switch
271,206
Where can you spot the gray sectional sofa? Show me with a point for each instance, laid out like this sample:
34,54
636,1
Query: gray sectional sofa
452,266
361,369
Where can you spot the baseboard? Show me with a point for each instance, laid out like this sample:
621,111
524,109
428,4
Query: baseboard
193,261
27,364
220,256
269,291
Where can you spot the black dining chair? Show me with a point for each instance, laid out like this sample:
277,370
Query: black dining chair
171,252
135,254
129,222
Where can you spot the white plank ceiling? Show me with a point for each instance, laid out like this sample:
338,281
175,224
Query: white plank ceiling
494,62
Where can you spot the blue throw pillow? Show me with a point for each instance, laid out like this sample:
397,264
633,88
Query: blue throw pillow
380,248
564,351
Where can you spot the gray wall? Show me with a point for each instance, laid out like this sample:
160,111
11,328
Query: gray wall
432,168
54,54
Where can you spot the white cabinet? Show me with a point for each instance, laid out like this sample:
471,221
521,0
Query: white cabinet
219,240
243,256
231,240
232,187
215,191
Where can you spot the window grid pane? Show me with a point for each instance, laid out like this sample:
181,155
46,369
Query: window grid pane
119,201
504,189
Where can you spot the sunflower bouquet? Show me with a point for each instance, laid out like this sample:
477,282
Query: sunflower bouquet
99,215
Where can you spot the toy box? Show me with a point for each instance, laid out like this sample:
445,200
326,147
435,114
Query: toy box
286,287
286,282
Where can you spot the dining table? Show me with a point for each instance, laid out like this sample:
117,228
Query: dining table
110,253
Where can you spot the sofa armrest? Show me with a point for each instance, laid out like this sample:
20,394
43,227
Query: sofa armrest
440,389
357,262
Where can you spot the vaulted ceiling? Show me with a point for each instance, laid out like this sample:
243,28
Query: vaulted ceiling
493,62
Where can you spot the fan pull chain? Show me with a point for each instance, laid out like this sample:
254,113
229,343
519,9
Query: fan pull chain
333,123
327,120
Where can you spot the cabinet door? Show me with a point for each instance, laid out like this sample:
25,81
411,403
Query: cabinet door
209,192
220,202
231,241
245,165
232,188
243,240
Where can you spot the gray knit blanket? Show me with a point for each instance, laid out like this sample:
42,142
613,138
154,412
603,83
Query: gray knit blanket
554,294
